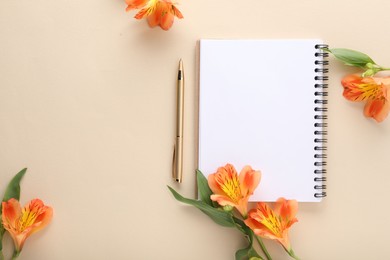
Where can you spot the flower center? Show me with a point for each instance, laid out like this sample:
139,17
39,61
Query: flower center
370,91
151,6
28,217
272,222
230,185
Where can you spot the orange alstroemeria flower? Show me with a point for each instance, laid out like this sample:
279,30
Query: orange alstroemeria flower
374,90
274,224
21,223
158,12
231,189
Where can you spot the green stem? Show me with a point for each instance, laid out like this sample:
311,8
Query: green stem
263,248
15,255
1,255
292,254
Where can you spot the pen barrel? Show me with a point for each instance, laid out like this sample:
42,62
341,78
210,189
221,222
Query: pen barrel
178,153
180,108
178,160
178,167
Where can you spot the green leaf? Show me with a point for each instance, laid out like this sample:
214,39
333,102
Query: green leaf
203,188
242,254
13,188
2,231
218,216
351,57
248,252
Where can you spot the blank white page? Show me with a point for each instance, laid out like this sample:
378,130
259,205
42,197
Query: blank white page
256,107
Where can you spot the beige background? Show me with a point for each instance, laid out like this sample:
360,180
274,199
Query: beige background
87,103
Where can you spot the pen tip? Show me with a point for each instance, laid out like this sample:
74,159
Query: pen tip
181,64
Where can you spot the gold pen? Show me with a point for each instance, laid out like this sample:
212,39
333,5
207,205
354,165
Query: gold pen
177,170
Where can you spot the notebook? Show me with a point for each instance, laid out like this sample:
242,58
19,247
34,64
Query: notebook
263,103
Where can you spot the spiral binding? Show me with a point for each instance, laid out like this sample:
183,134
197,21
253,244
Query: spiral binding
320,117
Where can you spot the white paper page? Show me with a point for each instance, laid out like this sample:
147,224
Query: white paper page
256,107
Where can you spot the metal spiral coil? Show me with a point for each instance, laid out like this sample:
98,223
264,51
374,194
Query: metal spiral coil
320,117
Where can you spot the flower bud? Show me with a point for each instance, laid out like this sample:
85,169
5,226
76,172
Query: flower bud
227,208
369,73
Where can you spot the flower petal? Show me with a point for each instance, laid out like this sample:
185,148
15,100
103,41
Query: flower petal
176,12
286,208
167,17
377,109
213,184
141,14
43,214
222,200
135,4
156,14
249,180
11,211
